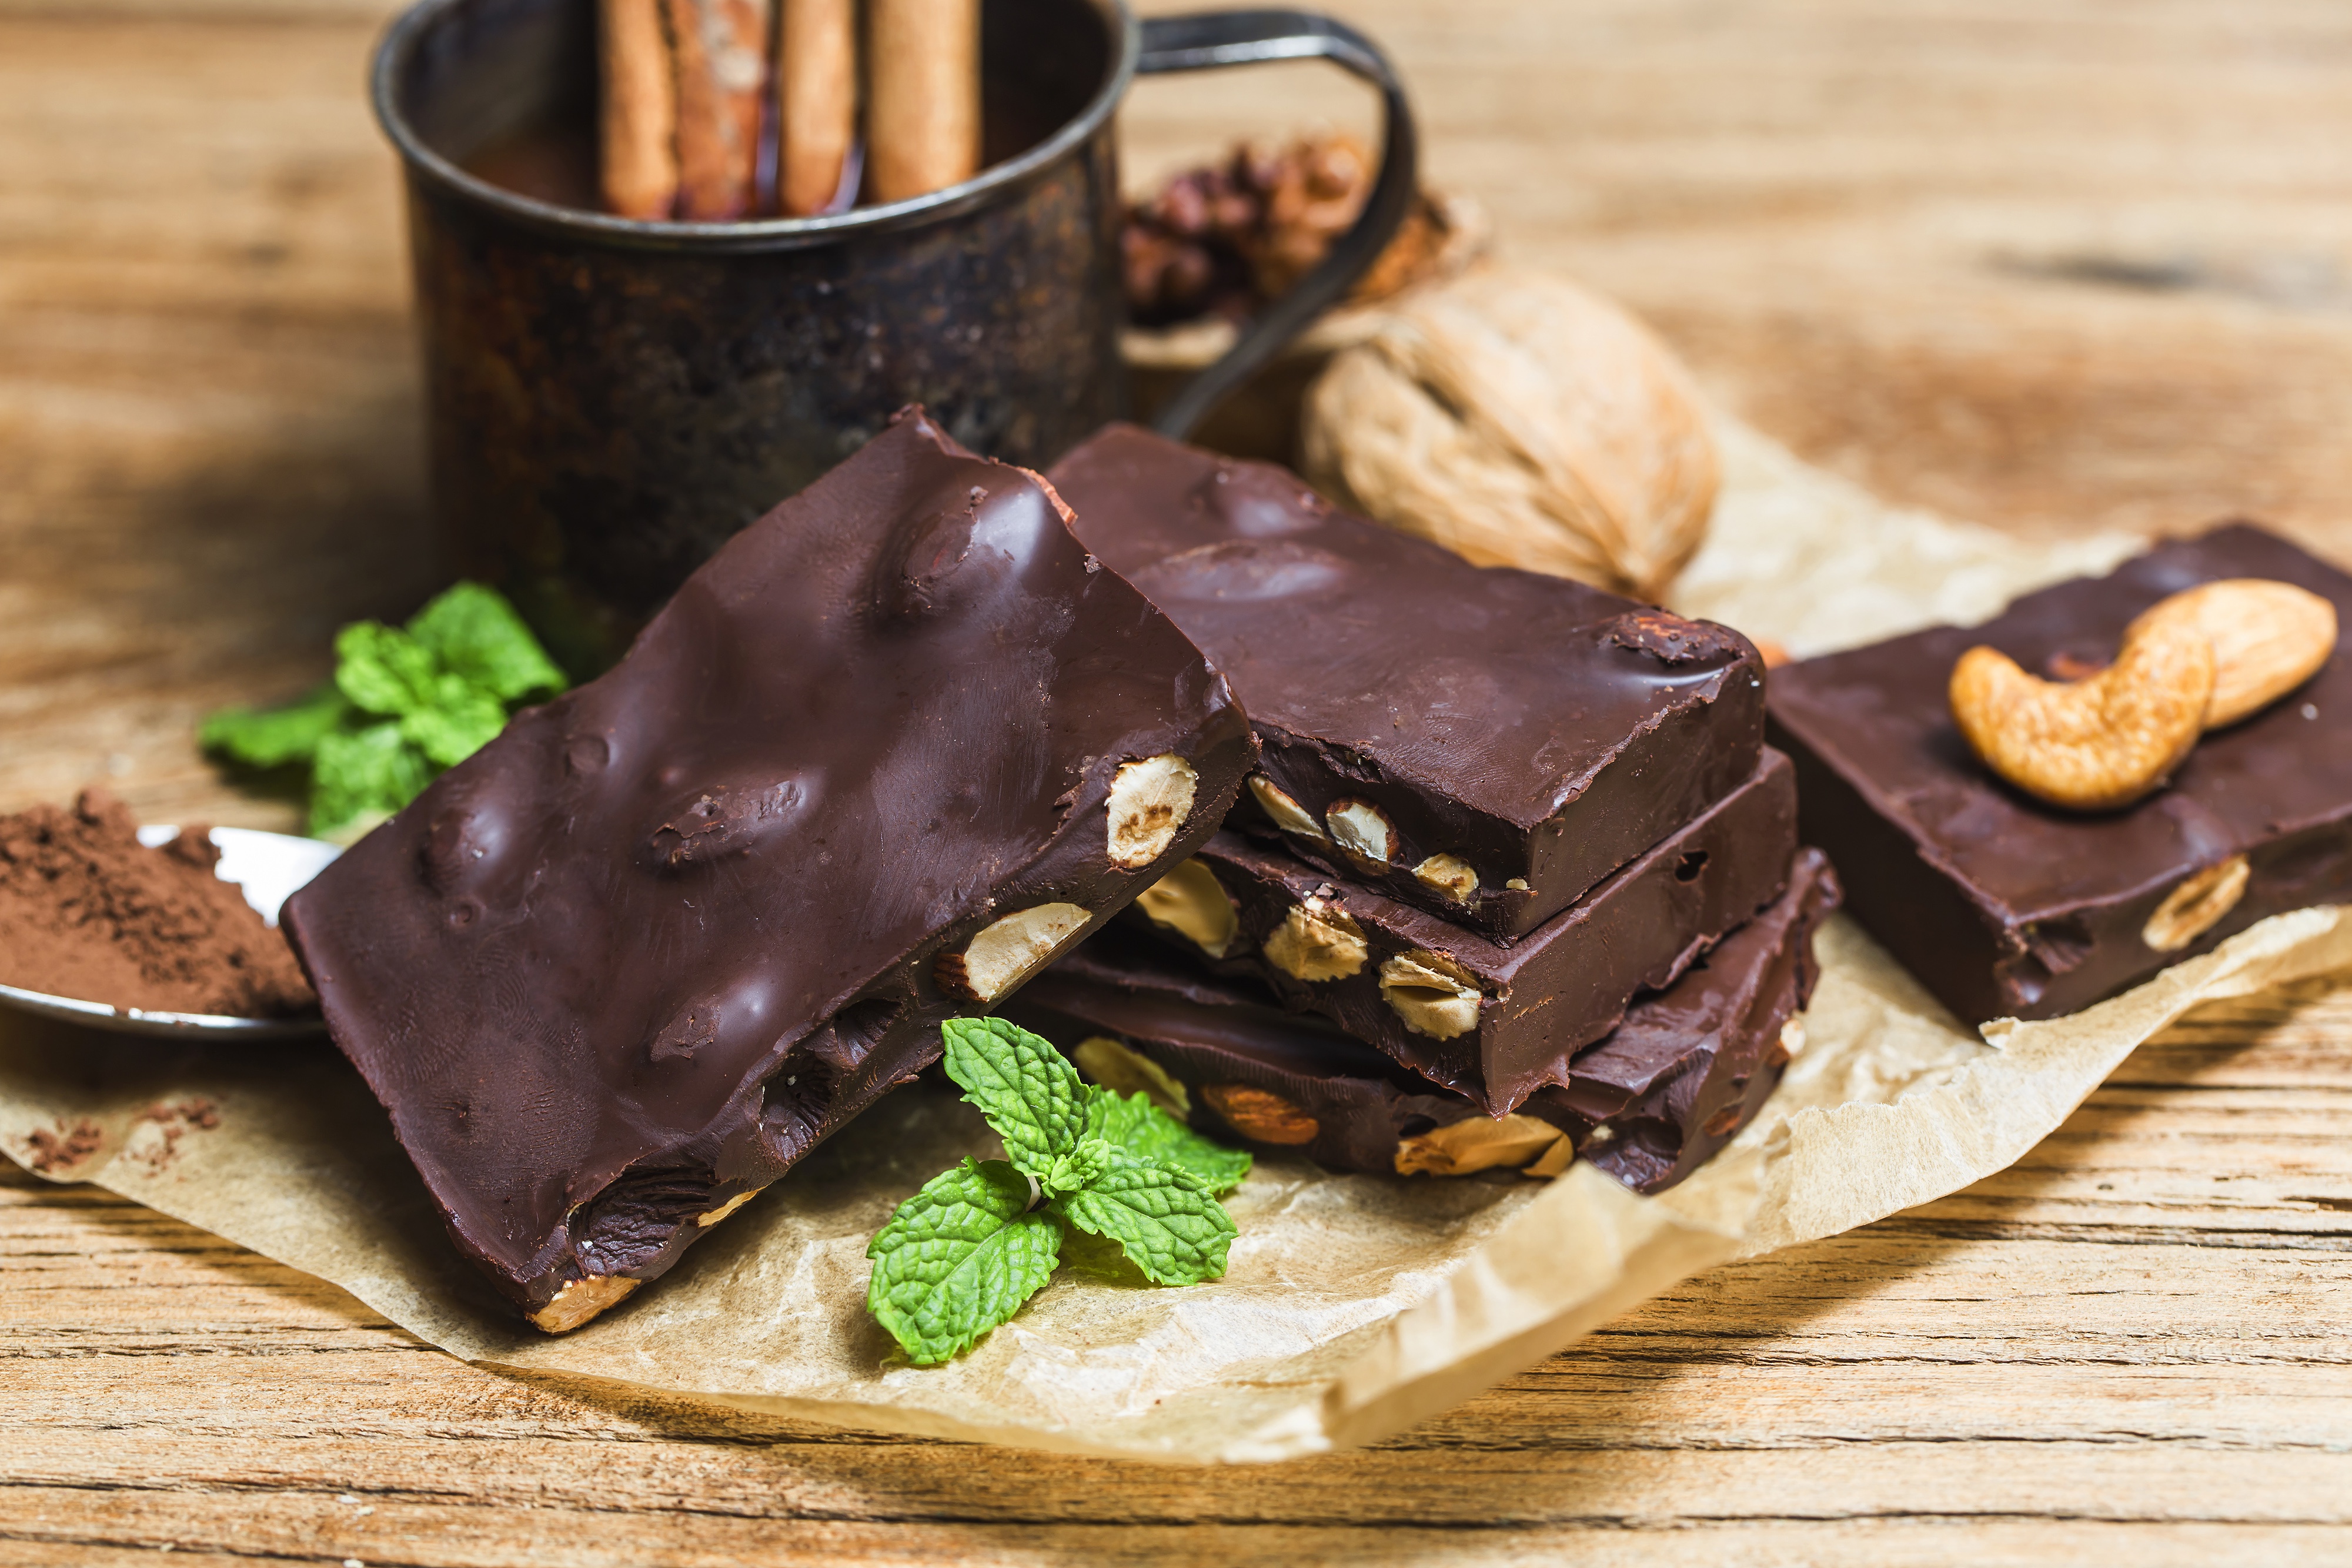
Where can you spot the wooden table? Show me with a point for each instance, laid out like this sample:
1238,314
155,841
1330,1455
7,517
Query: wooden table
2051,266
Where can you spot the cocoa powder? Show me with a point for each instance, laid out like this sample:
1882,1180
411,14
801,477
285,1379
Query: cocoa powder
87,912
66,1147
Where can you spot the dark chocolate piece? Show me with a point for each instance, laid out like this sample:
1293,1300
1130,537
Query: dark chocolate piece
1691,1065
1650,1103
1529,731
1493,1023
2005,908
628,963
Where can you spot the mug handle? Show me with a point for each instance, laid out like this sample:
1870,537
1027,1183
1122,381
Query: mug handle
1206,40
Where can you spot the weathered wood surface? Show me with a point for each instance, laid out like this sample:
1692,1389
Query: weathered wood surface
2050,266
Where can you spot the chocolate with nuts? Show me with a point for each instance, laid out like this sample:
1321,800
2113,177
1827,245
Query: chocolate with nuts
1686,1070
1485,743
880,757
1495,1023
2006,906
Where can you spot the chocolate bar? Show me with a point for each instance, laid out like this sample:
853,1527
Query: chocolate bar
2005,908
1495,1023
894,746
1687,1069
1483,743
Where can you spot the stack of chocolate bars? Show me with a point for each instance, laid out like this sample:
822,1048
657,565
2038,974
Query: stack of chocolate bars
1509,874
1517,878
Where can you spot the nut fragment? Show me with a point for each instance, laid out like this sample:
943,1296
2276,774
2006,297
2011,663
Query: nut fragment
1287,814
714,1215
1479,1143
1125,1070
1433,995
1449,874
1007,950
1362,829
1192,902
2193,908
2092,743
580,1299
1316,941
1790,1044
2268,638
1553,1160
1149,801
1260,1114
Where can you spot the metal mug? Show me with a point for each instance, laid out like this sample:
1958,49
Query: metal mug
609,399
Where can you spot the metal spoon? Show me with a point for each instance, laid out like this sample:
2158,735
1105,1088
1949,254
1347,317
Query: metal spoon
266,868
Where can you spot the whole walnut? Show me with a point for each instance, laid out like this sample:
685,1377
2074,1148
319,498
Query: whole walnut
1519,420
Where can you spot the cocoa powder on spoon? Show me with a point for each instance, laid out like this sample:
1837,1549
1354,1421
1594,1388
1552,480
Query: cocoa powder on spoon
88,912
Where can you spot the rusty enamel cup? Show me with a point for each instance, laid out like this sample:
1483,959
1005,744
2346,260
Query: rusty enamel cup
608,400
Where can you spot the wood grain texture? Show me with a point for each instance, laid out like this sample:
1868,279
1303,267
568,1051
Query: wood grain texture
2051,266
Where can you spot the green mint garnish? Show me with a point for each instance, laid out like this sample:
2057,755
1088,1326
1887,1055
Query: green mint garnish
1030,1094
478,637
961,1256
281,735
405,703
1162,1218
1132,1122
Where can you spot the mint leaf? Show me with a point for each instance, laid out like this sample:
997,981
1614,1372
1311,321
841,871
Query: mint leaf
1142,1131
271,738
1069,1172
958,1259
1162,1218
373,772
383,670
460,721
475,634
1021,1084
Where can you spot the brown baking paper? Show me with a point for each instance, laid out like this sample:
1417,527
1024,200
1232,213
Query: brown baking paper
1353,1305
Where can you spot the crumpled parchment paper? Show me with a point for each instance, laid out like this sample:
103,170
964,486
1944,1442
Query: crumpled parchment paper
1354,1306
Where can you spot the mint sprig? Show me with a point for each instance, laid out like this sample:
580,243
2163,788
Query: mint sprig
961,1256
405,703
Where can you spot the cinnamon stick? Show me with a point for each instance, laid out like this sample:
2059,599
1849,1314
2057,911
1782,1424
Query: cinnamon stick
922,127
816,88
720,47
637,168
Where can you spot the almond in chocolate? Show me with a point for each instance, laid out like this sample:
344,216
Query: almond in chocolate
1688,1066
1494,1022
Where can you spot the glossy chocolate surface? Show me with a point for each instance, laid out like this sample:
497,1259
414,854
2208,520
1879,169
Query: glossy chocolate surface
2007,907
637,956
1686,1070
1541,730
1551,993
